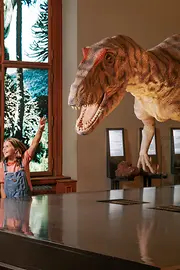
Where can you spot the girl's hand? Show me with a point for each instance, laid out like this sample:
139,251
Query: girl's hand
42,123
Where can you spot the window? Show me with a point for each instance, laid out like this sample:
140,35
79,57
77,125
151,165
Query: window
30,66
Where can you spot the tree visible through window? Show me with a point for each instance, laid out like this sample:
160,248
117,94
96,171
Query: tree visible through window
40,33
26,72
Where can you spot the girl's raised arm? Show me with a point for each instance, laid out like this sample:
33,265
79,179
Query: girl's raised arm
37,138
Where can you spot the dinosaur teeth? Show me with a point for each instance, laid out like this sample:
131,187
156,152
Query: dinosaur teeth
75,107
84,126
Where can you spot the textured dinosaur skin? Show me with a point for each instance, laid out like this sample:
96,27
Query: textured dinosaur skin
117,65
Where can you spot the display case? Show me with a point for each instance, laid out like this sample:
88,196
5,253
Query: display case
115,150
175,150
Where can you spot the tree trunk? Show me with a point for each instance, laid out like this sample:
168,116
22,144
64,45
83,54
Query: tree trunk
19,116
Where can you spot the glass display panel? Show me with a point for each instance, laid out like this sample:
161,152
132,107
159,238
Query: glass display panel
116,143
176,138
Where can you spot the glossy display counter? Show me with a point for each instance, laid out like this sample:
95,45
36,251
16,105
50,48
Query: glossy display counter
118,229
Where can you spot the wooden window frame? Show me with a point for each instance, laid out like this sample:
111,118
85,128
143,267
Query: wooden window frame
54,87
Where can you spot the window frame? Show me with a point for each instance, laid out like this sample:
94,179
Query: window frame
54,67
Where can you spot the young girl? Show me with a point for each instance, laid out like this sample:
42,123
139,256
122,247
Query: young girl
14,169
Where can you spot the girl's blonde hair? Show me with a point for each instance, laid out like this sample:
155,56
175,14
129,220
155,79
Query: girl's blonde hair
19,146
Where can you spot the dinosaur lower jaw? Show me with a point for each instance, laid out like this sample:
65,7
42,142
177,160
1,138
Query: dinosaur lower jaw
92,115
89,117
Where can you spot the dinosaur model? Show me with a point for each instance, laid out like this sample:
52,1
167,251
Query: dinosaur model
117,65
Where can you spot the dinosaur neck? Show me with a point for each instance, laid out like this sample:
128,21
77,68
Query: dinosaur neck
144,76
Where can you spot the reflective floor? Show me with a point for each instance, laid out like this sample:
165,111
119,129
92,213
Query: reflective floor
133,232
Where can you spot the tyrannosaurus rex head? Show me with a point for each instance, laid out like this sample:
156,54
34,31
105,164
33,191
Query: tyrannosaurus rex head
100,81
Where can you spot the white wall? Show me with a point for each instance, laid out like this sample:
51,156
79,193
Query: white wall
148,23
69,13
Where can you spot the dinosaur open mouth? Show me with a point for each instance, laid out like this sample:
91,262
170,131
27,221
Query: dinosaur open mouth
89,116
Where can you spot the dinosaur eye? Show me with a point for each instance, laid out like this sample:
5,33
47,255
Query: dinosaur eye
109,59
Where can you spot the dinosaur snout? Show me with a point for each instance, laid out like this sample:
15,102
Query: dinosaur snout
70,100
72,95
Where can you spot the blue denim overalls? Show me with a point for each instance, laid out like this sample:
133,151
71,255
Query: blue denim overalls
15,183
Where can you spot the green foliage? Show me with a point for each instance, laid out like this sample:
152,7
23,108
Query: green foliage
43,105
31,114
30,122
27,2
40,162
10,106
36,81
40,33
